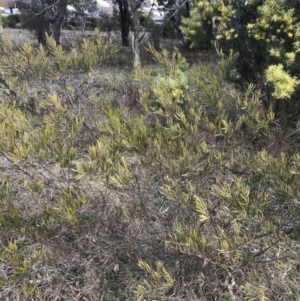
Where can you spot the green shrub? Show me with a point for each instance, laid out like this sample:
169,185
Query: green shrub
266,35
69,27
74,22
168,30
161,31
92,22
165,30
108,24
202,37
12,20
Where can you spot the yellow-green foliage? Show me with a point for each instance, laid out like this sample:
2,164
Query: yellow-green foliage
228,221
20,267
161,279
186,195
271,23
52,141
284,84
39,192
47,65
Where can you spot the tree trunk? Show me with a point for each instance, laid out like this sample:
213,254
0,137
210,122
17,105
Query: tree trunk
54,30
125,21
54,15
135,32
83,22
1,20
41,27
175,22
187,8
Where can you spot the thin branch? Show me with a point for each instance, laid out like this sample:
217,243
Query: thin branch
271,260
43,10
147,23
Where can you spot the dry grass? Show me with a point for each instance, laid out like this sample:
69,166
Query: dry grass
19,36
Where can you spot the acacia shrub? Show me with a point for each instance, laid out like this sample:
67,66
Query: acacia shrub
44,143
266,36
183,197
213,217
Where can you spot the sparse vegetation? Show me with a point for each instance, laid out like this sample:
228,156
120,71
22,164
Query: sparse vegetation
162,183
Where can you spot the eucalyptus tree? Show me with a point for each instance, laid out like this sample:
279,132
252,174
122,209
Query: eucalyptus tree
124,21
129,20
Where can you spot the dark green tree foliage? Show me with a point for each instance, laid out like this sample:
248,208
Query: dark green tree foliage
11,21
43,16
174,10
82,7
109,24
32,19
